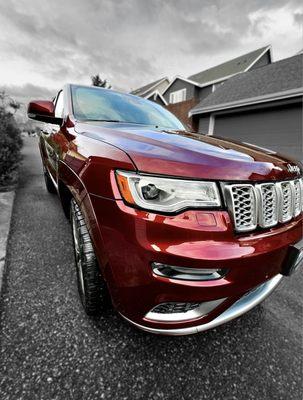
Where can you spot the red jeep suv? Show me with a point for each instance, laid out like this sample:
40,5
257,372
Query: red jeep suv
186,231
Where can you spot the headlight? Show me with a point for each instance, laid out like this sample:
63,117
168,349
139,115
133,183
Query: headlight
166,194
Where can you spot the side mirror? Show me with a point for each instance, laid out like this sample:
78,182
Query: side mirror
41,110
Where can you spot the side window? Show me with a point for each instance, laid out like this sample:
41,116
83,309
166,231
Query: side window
59,106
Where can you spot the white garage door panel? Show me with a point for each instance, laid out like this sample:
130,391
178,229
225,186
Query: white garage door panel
279,129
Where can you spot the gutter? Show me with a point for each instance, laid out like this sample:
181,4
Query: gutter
200,85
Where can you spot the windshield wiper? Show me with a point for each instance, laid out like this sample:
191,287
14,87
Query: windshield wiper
102,120
129,122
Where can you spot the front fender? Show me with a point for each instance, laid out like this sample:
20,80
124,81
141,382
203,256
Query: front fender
86,170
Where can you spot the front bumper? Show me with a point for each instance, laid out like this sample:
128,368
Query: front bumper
244,304
128,240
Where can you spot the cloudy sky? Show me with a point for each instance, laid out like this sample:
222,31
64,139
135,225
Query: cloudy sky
44,44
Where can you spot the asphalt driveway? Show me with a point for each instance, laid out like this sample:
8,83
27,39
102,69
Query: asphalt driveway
51,350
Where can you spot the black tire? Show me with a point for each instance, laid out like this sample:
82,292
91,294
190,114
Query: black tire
50,187
92,288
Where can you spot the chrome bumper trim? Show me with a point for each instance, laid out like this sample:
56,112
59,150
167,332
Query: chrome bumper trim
244,304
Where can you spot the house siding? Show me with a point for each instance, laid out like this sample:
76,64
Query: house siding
264,60
203,125
158,100
162,86
178,85
202,93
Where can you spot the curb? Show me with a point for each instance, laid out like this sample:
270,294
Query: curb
6,207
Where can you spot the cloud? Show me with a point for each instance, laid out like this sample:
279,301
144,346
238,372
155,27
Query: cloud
298,18
133,42
23,94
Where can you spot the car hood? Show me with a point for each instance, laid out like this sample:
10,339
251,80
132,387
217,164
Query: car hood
191,155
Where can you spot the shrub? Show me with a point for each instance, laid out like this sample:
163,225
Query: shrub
10,141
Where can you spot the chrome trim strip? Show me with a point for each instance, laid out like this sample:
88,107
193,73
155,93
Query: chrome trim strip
187,273
243,305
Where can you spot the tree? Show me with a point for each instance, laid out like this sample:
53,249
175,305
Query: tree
97,81
8,106
10,141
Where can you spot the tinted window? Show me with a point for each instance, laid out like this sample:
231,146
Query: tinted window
104,104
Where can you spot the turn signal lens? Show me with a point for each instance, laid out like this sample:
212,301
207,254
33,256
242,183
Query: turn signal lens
124,188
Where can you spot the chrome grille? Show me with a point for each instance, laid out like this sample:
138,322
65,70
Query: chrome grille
243,203
263,204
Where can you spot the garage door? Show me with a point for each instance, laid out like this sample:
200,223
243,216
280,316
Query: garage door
279,129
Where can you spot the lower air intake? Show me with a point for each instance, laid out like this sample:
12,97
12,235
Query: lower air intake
174,312
170,308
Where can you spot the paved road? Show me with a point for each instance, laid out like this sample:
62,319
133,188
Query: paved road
51,350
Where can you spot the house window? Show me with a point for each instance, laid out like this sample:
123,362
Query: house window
177,96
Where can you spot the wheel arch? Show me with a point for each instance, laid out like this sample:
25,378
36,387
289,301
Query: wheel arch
71,187
65,196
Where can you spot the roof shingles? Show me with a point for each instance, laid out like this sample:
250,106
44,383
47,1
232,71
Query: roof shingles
273,78
228,68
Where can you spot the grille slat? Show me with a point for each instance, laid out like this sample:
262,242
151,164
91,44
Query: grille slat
243,204
268,210
297,197
286,206
264,204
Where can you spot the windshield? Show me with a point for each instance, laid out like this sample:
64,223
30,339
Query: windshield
97,104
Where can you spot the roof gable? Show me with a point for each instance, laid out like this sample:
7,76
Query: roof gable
225,70
154,94
150,86
231,67
282,78
180,78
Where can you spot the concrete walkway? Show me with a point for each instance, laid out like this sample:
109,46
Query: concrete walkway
6,206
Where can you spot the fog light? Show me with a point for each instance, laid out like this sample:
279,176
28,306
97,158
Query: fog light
175,312
188,274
